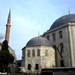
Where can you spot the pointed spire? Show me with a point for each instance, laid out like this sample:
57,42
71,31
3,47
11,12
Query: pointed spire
8,25
9,15
68,10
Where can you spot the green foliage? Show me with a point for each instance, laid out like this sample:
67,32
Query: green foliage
5,57
5,45
4,69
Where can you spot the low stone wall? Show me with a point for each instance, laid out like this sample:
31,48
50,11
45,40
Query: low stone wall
21,74
58,71
55,72
65,72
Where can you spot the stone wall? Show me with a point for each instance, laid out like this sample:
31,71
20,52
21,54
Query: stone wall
64,40
64,72
42,60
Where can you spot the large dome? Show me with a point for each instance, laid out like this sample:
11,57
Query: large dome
70,18
38,41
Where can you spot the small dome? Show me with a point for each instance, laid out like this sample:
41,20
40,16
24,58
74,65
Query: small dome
38,41
70,18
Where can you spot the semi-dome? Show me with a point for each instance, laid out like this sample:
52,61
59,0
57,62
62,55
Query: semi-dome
38,41
70,18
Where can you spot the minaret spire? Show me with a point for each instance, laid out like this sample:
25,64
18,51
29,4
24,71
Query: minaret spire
9,16
8,25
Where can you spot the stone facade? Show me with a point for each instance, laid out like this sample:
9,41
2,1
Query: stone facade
58,71
67,40
12,52
42,60
61,37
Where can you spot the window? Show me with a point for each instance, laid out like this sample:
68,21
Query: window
53,36
29,66
28,53
36,66
46,53
48,37
60,34
33,53
38,52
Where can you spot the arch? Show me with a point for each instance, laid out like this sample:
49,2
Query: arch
60,34
61,46
29,66
53,36
28,53
47,37
38,52
36,66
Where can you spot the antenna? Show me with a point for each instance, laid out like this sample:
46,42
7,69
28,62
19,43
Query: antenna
38,33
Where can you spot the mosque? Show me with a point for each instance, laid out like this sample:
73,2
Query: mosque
54,48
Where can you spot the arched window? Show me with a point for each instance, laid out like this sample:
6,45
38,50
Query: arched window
29,66
33,53
36,66
38,52
53,35
28,53
60,34
46,52
47,37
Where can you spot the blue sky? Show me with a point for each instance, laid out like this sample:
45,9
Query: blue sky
28,17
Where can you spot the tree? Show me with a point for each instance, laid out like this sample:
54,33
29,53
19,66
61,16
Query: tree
5,57
5,45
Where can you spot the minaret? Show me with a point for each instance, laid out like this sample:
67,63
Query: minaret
8,25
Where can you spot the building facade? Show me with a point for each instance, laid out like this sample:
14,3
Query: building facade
37,54
62,37
61,49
